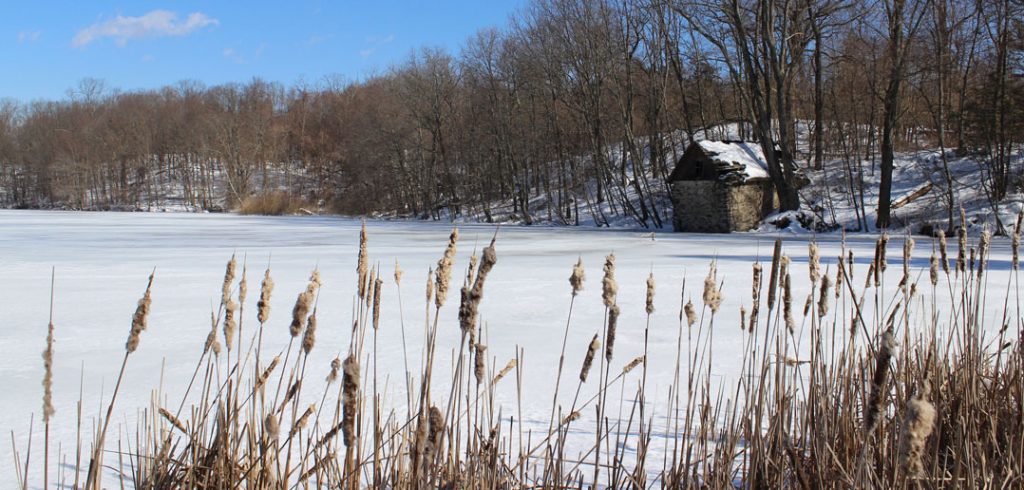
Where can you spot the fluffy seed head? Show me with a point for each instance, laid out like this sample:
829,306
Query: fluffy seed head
691,313
309,336
986,238
577,277
229,275
363,264
504,371
943,252
140,318
589,359
712,294
271,427
823,295
443,274
632,364
650,294
813,262
48,375
378,284
876,397
609,288
263,305
398,273
479,362
335,368
230,307
918,422
933,269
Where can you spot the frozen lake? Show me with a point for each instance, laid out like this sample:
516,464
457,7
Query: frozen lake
102,261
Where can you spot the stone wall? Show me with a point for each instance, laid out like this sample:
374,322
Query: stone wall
708,206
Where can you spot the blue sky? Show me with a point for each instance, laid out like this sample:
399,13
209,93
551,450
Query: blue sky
46,47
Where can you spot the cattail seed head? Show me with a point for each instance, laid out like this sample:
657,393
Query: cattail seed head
712,294
479,362
823,295
840,276
650,294
943,252
172,419
613,322
335,368
443,274
961,236
262,380
755,295
773,278
609,288
691,314
271,427
577,277
398,273
229,275
877,395
140,318
363,263
48,375
504,371
572,417
743,318
918,422
589,359
787,303
632,364
243,286
309,336
303,303
378,284
813,262
263,305
933,269
985,241
430,285
301,423
1015,241
908,248
350,395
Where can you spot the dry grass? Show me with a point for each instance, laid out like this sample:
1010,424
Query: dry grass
273,203
881,402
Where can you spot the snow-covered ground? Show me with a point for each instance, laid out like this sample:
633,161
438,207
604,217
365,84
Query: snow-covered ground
102,261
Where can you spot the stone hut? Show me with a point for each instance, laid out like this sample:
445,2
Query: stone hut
721,186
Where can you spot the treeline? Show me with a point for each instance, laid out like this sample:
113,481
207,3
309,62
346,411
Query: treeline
575,104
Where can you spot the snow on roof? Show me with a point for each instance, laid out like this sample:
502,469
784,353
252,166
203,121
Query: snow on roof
746,156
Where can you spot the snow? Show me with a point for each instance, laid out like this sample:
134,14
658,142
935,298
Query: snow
102,261
747,155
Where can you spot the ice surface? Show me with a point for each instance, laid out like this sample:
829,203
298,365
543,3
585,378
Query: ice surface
102,261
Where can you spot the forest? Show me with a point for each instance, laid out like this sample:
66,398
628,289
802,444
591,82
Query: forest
572,103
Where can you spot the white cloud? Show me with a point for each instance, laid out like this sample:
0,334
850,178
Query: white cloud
29,36
375,42
233,55
158,23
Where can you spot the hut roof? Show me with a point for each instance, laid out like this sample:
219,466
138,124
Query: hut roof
739,160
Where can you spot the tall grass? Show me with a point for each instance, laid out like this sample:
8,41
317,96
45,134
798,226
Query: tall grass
881,399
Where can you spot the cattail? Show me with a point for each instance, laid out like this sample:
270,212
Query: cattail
972,259
443,274
263,305
918,422
172,419
229,275
908,247
140,318
211,339
262,380
473,261
363,264
609,287
933,269
712,295
271,428
292,392
370,285
479,362
301,423
632,364
650,294
335,367
876,397
691,313
377,286
303,303
813,262
230,307
755,295
840,277
572,417
243,286
613,322
398,273
943,253
808,302
589,359
787,303
48,375
350,394
986,238
512,363
823,295
577,277
309,336
883,243
1015,241
743,318
430,285
773,279
961,236
473,293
